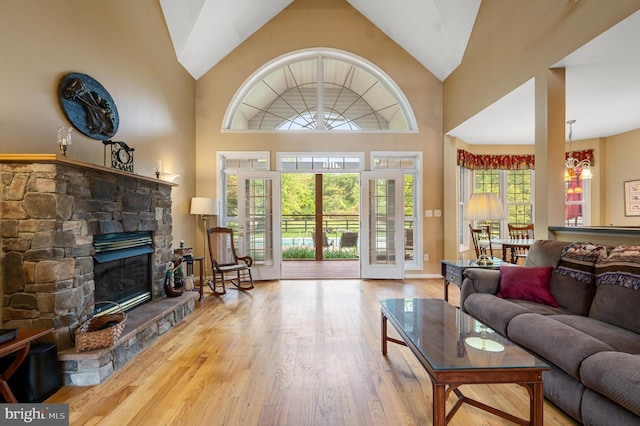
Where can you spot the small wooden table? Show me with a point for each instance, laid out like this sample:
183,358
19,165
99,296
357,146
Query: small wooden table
444,340
452,271
20,345
510,245
189,261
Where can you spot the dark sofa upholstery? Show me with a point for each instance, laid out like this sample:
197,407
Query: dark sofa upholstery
591,340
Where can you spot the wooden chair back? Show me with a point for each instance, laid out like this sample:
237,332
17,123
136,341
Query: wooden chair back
221,247
225,261
521,232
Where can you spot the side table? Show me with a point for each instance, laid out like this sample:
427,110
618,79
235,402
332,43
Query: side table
452,271
20,345
189,261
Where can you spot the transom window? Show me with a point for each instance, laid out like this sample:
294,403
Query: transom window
320,90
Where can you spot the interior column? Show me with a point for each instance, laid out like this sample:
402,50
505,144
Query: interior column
550,107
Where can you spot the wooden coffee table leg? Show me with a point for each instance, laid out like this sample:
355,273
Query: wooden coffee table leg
439,404
537,405
383,333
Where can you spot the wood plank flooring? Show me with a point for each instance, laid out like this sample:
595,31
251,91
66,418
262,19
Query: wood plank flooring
296,352
320,269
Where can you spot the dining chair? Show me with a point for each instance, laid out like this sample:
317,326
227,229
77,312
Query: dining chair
225,261
520,232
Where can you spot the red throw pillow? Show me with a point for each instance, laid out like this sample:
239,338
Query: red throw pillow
527,283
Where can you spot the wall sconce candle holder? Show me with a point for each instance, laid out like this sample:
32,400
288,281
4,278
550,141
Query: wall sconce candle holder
64,139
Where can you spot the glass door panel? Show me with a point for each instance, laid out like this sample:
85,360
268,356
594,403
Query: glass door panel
258,222
382,249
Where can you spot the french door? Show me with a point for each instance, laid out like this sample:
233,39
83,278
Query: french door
382,212
259,214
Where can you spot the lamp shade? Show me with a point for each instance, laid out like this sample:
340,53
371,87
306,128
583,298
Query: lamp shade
484,206
483,352
204,206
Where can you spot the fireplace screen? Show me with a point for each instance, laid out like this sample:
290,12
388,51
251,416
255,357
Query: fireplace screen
122,269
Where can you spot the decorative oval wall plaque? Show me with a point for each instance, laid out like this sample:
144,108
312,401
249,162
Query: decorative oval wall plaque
88,106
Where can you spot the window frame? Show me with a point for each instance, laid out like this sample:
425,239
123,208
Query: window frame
319,54
416,219
466,187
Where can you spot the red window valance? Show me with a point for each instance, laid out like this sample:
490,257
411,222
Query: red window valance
500,162
509,162
587,154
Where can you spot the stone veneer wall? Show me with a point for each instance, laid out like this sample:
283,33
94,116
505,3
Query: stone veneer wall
49,212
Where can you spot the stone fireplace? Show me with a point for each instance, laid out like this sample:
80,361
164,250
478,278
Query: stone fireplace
52,212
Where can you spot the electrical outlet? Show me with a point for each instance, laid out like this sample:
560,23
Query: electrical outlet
426,257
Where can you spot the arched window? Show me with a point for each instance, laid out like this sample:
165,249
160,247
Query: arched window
289,92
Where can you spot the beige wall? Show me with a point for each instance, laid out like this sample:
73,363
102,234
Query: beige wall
125,46
622,154
332,24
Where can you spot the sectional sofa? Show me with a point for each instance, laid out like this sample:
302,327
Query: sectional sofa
577,306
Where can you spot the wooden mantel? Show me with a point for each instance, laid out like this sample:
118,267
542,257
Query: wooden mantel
56,158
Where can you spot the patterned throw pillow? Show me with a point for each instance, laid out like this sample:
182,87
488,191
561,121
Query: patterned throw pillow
621,267
578,260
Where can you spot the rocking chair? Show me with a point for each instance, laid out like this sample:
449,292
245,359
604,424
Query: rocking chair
225,261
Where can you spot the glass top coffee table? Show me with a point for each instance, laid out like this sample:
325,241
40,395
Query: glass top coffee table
455,349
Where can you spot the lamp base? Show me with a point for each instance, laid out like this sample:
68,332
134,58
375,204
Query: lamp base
484,260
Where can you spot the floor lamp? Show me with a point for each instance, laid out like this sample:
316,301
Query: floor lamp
484,206
206,208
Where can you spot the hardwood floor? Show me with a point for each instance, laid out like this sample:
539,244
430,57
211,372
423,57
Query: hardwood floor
286,353
320,269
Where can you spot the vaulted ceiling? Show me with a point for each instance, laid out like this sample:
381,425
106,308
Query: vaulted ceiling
436,32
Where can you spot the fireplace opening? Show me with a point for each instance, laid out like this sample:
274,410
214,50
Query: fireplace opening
122,269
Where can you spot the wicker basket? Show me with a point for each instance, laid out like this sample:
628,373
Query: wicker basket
101,331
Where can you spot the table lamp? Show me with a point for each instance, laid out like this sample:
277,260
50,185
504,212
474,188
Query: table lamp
206,208
484,206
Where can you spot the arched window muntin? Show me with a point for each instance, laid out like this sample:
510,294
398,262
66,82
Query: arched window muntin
283,77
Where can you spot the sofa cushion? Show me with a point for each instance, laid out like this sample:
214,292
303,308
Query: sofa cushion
618,338
527,283
617,305
615,375
545,253
563,390
599,410
559,343
492,311
570,293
